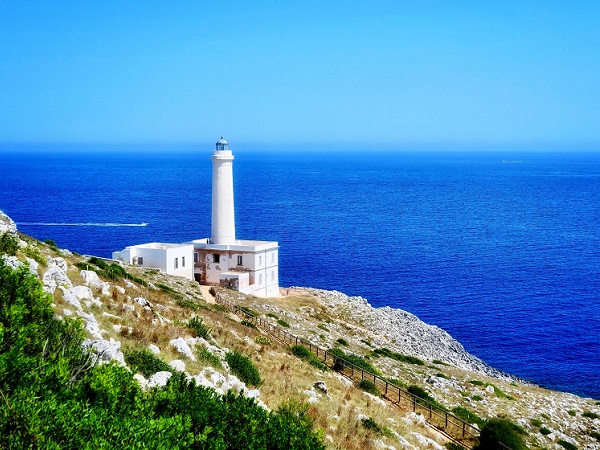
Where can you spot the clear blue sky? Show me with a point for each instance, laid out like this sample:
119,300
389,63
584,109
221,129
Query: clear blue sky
304,71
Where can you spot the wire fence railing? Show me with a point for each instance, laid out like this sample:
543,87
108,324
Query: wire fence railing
459,431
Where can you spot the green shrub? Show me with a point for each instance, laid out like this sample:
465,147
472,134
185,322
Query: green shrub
496,431
248,324
165,288
263,340
567,445
396,382
9,244
370,387
477,398
199,328
342,341
468,416
205,355
50,243
477,383
399,356
536,422
358,361
545,431
439,363
219,308
453,446
270,314
249,311
322,327
187,303
368,343
589,414
595,435
36,254
545,416
370,424
441,375
572,412
53,398
145,362
304,353
283,323
418,391
243,368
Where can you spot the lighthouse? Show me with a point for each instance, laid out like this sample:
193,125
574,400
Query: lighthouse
248,266
223,215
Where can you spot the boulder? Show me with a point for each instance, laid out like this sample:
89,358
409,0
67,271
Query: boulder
178,365
154,349
70,298
182,347
55,277
91,279
33,265
104,351
82,293
7,225
159,380
58,262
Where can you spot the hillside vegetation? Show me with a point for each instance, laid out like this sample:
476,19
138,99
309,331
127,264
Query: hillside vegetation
94,354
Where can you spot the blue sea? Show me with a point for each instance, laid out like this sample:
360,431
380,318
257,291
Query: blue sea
499,247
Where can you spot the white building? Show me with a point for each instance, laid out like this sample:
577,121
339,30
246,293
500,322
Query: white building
251,267
174,259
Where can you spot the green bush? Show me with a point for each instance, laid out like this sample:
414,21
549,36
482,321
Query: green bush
205,355
477,383
165,288
36,254
370,387
567,445
590,414
249,311
536,422
399,356
322,327
439,363
477,398
248,324
283,323
53,398
243,368
263,340
498,431
368,343
187,303
545,431
358,361
9,244
270,314
418,391
304,353
342,341
370,424
50,243
572,412
199,328
145,362
595,435
468,416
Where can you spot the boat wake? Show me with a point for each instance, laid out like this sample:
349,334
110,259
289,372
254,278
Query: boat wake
82,224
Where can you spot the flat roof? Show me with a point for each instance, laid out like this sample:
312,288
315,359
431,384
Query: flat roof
158,245
240,245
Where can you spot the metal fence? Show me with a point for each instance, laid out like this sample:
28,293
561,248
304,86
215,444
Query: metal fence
455,428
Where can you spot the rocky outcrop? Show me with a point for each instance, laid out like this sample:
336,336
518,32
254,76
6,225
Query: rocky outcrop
407,333
7,225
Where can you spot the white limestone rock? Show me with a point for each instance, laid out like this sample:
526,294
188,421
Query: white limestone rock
141,380
91,325
142,302
70,298
55,277
158,380
7,225
82,293
92,279
178,365
58,262
119,289
67,312
33,265
427,442
154,349
182,347
11,261
104,351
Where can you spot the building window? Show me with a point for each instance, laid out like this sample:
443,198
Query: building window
260,261
140,261
195,257
183,261
240,260
216,257
176,263
272,275
260,279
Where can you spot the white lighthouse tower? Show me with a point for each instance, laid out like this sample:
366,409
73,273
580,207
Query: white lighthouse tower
248,266
223,216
